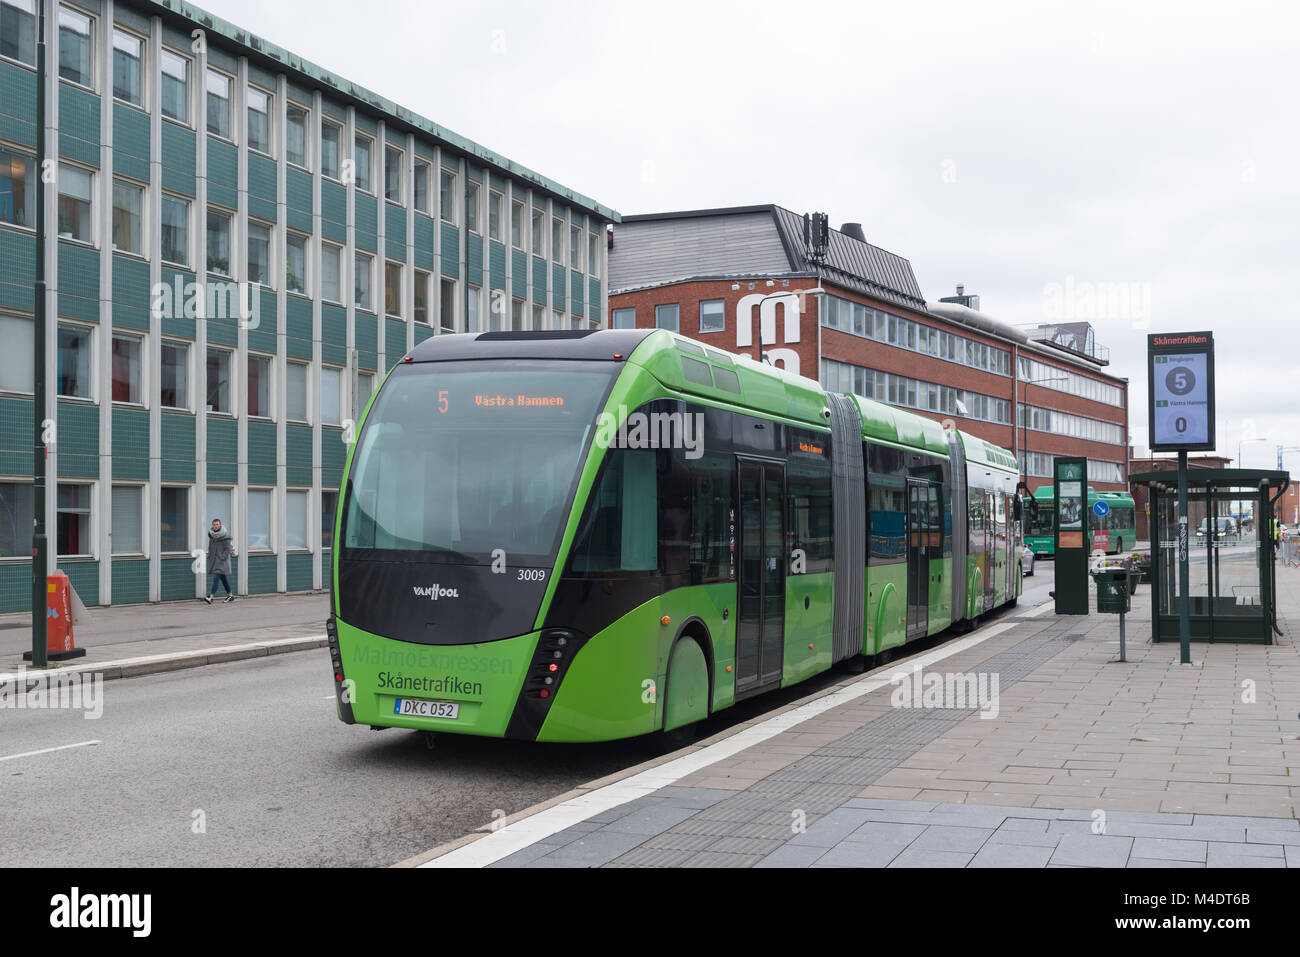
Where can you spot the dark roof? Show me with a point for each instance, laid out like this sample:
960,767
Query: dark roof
1222,478
658,248
853,263
590,344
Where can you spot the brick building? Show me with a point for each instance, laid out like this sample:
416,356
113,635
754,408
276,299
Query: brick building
350,228
738,279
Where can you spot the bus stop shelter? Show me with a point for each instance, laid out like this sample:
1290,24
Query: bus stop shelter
1232,580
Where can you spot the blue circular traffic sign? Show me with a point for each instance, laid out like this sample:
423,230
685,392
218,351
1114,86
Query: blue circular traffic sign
1100,508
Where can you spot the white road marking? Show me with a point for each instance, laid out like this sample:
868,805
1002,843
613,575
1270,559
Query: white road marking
528,831
62,747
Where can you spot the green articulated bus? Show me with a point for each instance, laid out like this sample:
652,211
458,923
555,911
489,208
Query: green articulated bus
1110,532
586,536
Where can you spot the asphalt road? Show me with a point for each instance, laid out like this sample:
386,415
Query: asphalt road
254,747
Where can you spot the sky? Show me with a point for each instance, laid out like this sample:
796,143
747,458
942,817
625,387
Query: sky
1134,164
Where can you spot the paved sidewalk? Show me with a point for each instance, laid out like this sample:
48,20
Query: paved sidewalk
1088,762
175,635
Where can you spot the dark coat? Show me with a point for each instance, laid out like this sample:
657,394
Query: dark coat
220,546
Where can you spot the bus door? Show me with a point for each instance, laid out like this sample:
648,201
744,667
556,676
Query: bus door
919,521
760,623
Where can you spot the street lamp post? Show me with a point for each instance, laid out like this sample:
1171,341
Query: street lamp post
39,543
1025,425
1243,442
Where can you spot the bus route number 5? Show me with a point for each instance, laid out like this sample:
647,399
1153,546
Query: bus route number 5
443,404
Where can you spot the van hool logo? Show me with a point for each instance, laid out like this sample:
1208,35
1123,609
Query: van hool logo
434,592
651,430
225,301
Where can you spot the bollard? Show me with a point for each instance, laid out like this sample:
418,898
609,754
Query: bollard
1121,637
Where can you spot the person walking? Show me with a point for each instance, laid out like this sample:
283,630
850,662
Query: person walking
220,547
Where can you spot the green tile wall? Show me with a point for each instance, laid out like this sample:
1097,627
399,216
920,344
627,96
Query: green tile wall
178,578
178,444
131,136
78,125
78,440
130,444
297,454
261,574
298,574
17,104
223,446
130,581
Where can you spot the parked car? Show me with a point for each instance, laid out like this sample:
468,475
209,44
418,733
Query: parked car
1223,528
1026,560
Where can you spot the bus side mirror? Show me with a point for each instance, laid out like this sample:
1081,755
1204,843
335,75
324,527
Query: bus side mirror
1019,510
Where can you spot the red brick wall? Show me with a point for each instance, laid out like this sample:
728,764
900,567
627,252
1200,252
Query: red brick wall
871,354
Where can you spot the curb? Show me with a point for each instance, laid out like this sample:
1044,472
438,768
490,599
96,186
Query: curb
157,664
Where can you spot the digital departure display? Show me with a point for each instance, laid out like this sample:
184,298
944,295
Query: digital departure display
1181,391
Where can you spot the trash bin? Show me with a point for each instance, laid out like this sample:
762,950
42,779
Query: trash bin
1112,591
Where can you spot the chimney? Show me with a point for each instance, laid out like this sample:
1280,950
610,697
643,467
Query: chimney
854,231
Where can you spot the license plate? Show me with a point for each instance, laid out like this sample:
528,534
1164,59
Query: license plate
416,707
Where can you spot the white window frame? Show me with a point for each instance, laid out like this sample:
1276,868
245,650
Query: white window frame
271,542
271,124
307,143
305,549
187,492
143,105
35,29
92,43
140,490
189,375
92,522
269,414
370,188
399,195
190,112
232,380
339,158
142,340
87,328
231,106
306,391
189,228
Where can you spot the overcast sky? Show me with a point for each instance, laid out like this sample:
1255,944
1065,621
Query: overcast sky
1143,157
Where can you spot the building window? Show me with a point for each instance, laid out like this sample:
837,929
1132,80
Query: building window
712,315
127,526
175,230
361,281
259,120
517,315
295,391
331,136
19,338
539,317
496,309
393,289
331,405
218,242
128,206
447,305
422,280
297,121
295,515
76,47
259,386
393,174
329,510
17,186
473,309
593,253
496,203
128,51
422,173
74,361
174,519
174,390
217,86
295,263
517,223
623,319
175,87
557,239
220,505
331,259
575,247
16,515
218,381
472,190
259,520
73,521
447,196
18,30
76,187
668,317
365,388
259,253
126,369
539,231
362,150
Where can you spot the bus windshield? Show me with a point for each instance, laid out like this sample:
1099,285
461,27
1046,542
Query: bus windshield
465,461
1044,523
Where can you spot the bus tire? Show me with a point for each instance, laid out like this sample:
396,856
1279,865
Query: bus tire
686,687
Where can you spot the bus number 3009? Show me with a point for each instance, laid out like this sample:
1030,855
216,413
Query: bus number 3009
532,575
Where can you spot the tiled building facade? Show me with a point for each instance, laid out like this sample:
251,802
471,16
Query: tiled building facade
734,278
239,245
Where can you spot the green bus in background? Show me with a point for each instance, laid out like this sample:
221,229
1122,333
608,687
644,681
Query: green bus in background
1111,532
586,536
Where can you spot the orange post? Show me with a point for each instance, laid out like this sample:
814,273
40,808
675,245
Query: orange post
59,641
